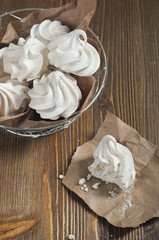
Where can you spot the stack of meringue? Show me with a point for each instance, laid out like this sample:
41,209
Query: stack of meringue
25,78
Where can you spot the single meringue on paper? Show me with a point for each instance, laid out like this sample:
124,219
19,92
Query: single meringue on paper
55,95
13,97
26,60
72,53
48,30
113,163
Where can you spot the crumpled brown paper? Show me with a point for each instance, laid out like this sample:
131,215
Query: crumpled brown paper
76,14
122,209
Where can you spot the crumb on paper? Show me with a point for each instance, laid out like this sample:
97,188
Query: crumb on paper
82,181
71,236
86,189
128,201
112,193
126,205
89,177
61,176
96,185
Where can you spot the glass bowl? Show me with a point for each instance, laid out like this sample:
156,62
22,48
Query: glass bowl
100,77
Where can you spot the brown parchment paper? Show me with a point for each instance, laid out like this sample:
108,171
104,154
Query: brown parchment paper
76,14
122,209
15,120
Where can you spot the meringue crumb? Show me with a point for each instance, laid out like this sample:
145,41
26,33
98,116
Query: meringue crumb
82,181
96,185
61,176
127,205
89,177
112,193
128,201
86,189
71,237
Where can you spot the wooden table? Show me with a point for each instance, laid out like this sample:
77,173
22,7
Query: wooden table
33,202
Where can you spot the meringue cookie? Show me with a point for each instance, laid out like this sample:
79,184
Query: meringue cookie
48,30
13,97
72,54
2,51
26,60
55,95
113,163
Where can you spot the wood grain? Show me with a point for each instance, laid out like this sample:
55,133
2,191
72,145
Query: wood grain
12,229
33,202
46,211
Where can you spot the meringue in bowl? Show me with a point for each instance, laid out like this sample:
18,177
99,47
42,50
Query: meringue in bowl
100,76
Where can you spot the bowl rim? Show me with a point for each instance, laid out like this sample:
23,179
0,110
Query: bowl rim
70,119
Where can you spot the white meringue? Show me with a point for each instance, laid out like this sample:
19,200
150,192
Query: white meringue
13,97
113,163
55,95
26,60
2,51
47,30
72,54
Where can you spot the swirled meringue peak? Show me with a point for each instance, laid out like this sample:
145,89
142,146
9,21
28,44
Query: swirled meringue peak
72,53
13,97
55,95
113,163
48,30
26,60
